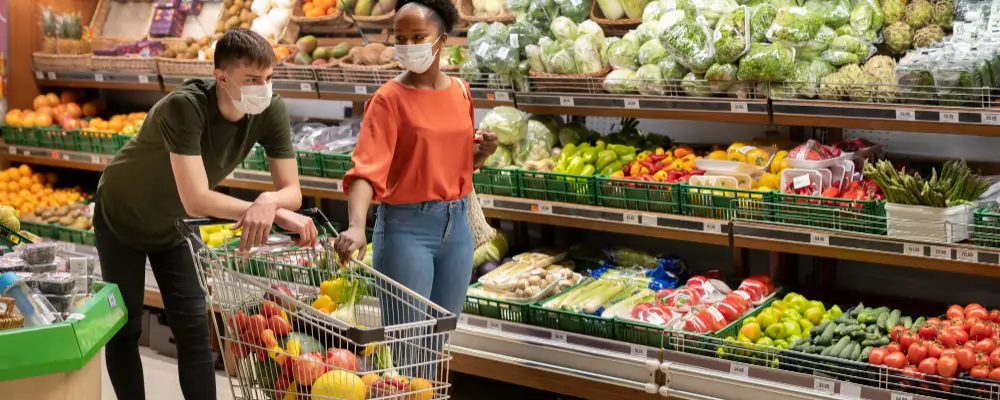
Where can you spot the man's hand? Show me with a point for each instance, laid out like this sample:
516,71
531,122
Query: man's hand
300,224
488,145
350,241
256,223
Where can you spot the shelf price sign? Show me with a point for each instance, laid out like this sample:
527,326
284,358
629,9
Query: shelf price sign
501,96
819,239
632,103
901,396
739,369
950,117
941,252
650,220
906,114
559,337
99,77
630,218
967,255
360,89
566,101
910,249
824,385
541,208
494,326
305,86
51,75
638,351
712,227
991,118
739,107
143,79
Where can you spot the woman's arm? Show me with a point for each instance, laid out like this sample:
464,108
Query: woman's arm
484,149
358,202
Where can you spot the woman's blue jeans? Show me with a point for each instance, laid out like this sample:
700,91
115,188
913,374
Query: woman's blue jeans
428,248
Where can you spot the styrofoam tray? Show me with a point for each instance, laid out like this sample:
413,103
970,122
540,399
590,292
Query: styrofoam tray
719,181
789,174
933,224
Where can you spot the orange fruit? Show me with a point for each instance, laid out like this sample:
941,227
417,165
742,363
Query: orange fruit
307,7
315,12
331,11
4,197
25,182
14,174
4,178
13,187
115,125
36,188
25,170
37,178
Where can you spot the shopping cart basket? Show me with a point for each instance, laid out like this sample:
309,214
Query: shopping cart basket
301,325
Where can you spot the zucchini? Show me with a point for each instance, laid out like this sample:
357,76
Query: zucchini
865,353
907,321
838,348
855,351
882,319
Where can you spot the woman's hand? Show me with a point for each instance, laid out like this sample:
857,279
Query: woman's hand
488,143
350,241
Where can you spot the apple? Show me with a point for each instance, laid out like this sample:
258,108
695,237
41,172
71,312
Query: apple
284,290
270,309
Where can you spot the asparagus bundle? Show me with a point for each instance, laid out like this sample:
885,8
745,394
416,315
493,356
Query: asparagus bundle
956,185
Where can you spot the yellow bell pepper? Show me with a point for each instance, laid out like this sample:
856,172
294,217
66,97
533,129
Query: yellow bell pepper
292,392
660,175
643,171
618,174
677,164
659,151
324,301
634,169
293,349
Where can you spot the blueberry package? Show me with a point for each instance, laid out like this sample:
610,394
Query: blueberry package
55,283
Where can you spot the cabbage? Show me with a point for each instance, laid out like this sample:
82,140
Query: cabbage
519,8
490,8
721,77
492,251
500,159
499,32
712,10
527,34
633,8
651,52
695,85
671,69
477,31
501,59
669,19
536,145
648,80
624,53
653,11
612,9
574,132
469,70
646,31
587,54
620,81
562,62
534,54
563,28
576,10
508,123
589,27
541,13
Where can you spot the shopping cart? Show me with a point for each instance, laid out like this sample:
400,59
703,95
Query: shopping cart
299,325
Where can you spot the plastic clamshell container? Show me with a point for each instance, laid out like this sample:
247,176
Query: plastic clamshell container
12,264
715,181
64,303
725,167
933,224
744,181
849,169
827,178
838,177
55,283
814,164
38,253
789,175
42,268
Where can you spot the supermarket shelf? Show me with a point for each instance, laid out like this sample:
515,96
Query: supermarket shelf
359,92
895,117
684,108
98,80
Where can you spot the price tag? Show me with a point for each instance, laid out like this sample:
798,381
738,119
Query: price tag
631,103
901,396
630,218
338,187
360,89
76,317
99,77
501,96
967,255
823,385
39,75
712,227
650,220
494,326
566,101
906,115
12,150
801,181
486,201
739,107
112,301
638,350
850,390
916,250
559,337
542,208
305,87
54,154
95,159
819,239
463,319
513,41
143,79
991,119
951,117
51,75
941,252
739,369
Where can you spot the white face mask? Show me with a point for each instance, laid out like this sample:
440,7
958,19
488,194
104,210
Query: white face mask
253,99
416,58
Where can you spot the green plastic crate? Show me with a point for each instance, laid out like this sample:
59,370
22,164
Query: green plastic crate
862,216
73,235
120,141
310,163
554,186
497,309
20,135
658,197
495,181
98,142
986,228
39,228
584,324
57,138
256,160
335,165
726,204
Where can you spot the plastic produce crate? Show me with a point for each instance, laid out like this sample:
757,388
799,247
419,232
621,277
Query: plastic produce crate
726,204
98,142
256,160
120,140
497,309
582,323
658,197
495,181
335,165
58,138
20,135
986,227
554,186
39,228
861,216
310,163
73,235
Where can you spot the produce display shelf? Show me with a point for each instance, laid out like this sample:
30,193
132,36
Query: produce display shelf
743,231
685,108
896,117
355,92
98,80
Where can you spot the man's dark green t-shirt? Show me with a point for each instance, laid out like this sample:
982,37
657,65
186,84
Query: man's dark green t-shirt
138,192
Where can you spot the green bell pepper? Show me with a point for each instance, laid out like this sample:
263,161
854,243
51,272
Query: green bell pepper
622,150
568,151
575,165
627,159
604,158
600,145
611,168
587,170
588,155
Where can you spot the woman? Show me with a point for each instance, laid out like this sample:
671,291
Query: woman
416,154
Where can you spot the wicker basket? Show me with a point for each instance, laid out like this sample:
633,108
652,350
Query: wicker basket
557,83
8,319
61,62
184,67
292,72
467,12
330,72
612,27
288,35
127,65
369,74
324,24
381,21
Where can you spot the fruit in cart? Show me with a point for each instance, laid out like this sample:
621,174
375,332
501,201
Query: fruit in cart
342,359
308,368
388,386
339,385
421,389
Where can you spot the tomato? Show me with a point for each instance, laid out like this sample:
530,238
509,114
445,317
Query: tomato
894,347
986,346
961,336
995,374
926,331
982,358
946,383
973,306
908,338
995,358
947,365
877,356
934,320
955,311
949,352
913,372
978,313
934,349
896,331
980,371
947,338
982,330
966,358
995,315
970,322
916,353
895,360
928,366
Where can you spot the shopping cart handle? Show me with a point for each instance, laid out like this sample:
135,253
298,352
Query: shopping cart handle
189,226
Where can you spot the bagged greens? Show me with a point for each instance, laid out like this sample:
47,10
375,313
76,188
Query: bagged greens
576,10
690,42
587,54
508,123
767,63
563,28
651,52
624,53
805,80
794,26
848,50
730,37
648,80
816,47
721,78
500,159
694,85
536,145
712,10
867,19
760,21
477,31
836,13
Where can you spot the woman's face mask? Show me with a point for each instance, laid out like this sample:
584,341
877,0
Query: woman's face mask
416,58
253,99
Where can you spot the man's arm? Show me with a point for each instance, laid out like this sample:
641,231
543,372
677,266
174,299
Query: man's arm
197,198
288,192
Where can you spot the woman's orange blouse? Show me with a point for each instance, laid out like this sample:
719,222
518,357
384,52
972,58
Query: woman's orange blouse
416,144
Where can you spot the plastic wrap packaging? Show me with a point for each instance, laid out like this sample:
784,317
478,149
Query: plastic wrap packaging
767,63
760,21
624,53
576,10
722,79
508,123
957,83
730,38
620,81
836,13
648,80
867,19
805,80
690,41
652,52
587,54
523,34
500,158
536,145
794,26
848,50
815,48
916,81
713,10
694,85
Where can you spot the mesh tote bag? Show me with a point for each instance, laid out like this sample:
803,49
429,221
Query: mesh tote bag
482,232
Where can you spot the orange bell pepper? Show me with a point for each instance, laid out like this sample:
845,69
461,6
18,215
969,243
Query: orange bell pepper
680,152
618,174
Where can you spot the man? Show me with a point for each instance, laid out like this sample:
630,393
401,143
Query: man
190,141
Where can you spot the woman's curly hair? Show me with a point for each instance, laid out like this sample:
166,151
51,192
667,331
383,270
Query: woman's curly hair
443,11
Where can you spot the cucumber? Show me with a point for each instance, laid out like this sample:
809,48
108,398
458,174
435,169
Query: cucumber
826,351
798,342
867,317
847,330
872,329
855,352
907,321
865,353
893,319
881,310
873,336
859,335
840,327
882,319
818,330
827,337
838,348
843,319
919,322
877,342
857,310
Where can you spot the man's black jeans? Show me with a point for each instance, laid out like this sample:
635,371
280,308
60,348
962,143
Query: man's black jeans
183,301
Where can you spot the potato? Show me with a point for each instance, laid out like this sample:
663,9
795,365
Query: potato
245,25
233,11
371,54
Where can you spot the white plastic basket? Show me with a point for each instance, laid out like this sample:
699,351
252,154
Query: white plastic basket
944,225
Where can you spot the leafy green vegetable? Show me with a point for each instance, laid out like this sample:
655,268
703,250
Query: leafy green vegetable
767,63
508,123
694,85
563,28
731,39
690,43
794,26
648,80
652,52
760,20
720,78
624,53
620,81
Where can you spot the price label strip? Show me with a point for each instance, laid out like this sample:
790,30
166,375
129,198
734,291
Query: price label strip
359,89
991,118
906,115
99,77
824,385
305,86
566,101
559,337
650,220
941,252
915,250
541,208
967,255
950,117
712,227
632,103
819,239
494,326
638,351
739,107
501,96
739,369
630,218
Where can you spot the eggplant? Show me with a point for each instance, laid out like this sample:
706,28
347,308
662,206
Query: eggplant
487,267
